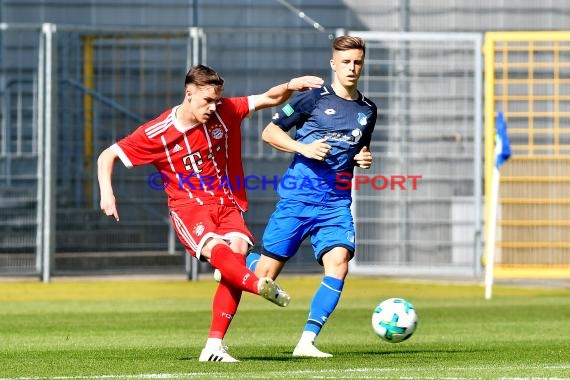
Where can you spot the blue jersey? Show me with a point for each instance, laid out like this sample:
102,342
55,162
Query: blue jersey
346,125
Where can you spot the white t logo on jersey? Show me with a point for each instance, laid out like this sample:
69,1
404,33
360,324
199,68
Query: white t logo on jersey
193,162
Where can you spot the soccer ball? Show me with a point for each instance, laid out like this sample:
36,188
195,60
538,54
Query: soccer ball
394,320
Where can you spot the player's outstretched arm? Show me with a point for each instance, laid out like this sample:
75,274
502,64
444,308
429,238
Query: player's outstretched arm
105,164
280,93
279,139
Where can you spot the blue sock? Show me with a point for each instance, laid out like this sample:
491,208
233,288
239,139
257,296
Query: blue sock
323,304
251,260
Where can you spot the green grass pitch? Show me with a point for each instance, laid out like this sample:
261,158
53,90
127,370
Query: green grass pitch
155,329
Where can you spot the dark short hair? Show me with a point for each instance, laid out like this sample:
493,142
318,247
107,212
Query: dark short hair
348,43
202,75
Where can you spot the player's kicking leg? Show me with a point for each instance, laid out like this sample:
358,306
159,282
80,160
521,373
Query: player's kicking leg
223,259
267,289
250,262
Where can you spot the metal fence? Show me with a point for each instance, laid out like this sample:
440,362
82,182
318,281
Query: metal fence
67,93
20,115
428,87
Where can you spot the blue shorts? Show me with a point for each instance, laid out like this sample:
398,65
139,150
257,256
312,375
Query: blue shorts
292,221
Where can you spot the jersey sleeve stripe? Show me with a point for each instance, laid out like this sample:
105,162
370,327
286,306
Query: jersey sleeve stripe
158,128
119,152
251,105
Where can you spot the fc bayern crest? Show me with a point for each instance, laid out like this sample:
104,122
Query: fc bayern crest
218,133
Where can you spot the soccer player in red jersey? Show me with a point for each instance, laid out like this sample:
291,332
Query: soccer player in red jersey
196,146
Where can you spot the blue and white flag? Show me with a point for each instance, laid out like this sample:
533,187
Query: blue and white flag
502,144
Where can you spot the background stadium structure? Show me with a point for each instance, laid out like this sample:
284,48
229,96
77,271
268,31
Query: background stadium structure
76,76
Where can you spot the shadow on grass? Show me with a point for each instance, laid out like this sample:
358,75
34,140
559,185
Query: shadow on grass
414,351
286,356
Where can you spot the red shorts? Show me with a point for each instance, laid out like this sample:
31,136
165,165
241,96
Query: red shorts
195,225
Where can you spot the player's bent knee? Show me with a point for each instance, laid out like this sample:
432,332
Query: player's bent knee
239,246
336,257
206,251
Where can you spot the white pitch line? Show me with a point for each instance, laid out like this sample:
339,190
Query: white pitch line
356,373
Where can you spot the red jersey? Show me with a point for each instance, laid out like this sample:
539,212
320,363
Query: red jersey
202,164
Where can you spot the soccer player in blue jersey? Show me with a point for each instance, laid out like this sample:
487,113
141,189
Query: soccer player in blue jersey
334,126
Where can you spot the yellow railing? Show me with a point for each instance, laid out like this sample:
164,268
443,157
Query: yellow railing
527,77
88,82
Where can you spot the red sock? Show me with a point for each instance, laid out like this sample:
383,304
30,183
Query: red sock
233,269
224,307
